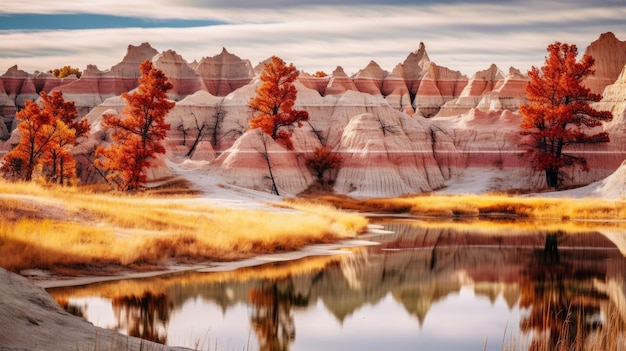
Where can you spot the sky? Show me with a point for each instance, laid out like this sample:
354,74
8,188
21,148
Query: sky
314,35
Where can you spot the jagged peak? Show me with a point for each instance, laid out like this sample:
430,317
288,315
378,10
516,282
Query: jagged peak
92,70
492,73
606,40
372,70
416,62
421,49
13,71
143,51
608,36
373,64
339,72
171,55
444,72
515,73
421,53
261,66
225,55
227,64
398,71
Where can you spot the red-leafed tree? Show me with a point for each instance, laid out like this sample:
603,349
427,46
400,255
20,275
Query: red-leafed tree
21,161
137,135
46,135
275,100
558,111
57,160
323,160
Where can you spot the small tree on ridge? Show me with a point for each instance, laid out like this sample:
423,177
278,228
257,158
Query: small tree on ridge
275,100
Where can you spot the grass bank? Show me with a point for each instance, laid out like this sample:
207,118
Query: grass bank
70,230
463,206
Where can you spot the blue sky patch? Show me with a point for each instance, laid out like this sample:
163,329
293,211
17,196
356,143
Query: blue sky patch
92,21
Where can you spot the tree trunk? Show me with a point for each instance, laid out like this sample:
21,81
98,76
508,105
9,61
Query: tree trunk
265,154
552,178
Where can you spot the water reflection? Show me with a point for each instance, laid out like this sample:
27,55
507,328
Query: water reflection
564,304
271,316
144,316
422,287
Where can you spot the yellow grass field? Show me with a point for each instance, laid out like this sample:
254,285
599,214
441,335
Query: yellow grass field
463,206
73,230
69,230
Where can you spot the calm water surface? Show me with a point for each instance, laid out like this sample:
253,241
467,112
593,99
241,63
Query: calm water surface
422,288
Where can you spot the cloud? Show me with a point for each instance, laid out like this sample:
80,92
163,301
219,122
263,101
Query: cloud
461,35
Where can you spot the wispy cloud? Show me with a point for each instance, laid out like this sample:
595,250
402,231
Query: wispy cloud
462,35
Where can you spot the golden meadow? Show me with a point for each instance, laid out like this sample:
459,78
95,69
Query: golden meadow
66,229
71,230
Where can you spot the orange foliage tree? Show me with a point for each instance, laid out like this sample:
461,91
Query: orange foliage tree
275,100
47,134
138,134
558,110
322,160
57,159
66,71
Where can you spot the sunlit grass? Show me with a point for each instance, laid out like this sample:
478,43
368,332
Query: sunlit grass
488,205
66,228
495,226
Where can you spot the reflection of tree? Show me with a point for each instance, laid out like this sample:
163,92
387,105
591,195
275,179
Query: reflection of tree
144,316
560,311
271,316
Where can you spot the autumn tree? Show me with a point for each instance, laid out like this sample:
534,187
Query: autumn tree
58,161
558,111
47,134
138,133
323,160
21,161
275,100
66,71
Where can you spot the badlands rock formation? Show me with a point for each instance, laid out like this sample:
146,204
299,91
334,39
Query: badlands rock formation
610,56
224,73
418,128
